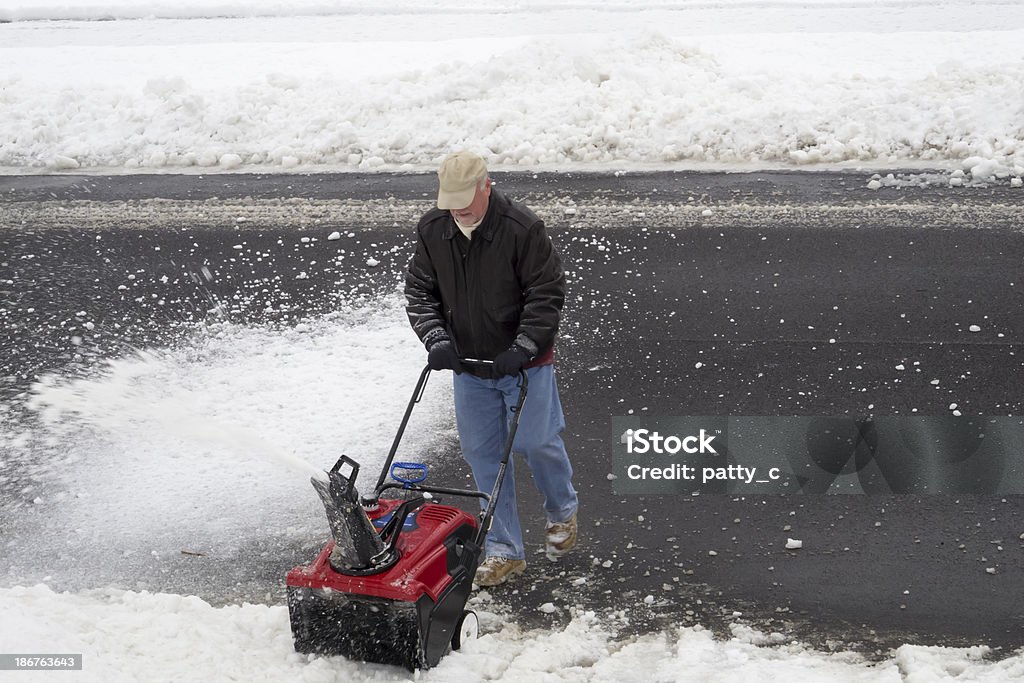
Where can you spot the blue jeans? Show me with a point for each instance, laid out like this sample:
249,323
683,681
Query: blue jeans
482,413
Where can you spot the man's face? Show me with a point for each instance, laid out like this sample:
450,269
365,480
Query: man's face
474,213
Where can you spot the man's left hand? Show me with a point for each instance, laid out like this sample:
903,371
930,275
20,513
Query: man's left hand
512,361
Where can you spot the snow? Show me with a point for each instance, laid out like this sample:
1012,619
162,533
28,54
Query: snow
129,636
221,434
317,85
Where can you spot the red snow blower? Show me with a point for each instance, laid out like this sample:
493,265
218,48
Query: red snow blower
392,585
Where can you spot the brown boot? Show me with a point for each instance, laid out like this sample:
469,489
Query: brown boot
495,571
560,538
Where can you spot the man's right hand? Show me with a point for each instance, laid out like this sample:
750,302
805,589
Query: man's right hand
442,356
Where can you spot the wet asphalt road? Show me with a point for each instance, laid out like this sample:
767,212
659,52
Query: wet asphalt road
798,294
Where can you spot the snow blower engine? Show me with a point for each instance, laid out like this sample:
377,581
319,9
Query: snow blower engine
391,586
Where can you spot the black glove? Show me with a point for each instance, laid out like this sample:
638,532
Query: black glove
512,361
442,356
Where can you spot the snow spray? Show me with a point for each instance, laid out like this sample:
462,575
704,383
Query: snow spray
129,399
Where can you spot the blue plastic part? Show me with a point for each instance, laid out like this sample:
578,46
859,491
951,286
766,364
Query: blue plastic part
415,466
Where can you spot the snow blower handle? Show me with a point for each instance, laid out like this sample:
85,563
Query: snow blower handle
417,395
513,427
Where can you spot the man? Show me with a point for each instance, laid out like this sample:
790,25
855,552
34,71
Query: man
485,282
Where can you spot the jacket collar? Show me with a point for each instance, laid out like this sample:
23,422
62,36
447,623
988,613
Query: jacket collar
488,227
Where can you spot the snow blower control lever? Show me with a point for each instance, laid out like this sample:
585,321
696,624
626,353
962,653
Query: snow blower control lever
398,475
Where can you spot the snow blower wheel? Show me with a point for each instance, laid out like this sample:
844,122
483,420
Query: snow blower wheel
391,585
467,629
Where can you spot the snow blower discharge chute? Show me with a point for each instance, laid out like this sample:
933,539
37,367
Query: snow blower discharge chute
392,584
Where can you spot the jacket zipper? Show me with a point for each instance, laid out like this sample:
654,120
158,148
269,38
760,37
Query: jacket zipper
470,290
